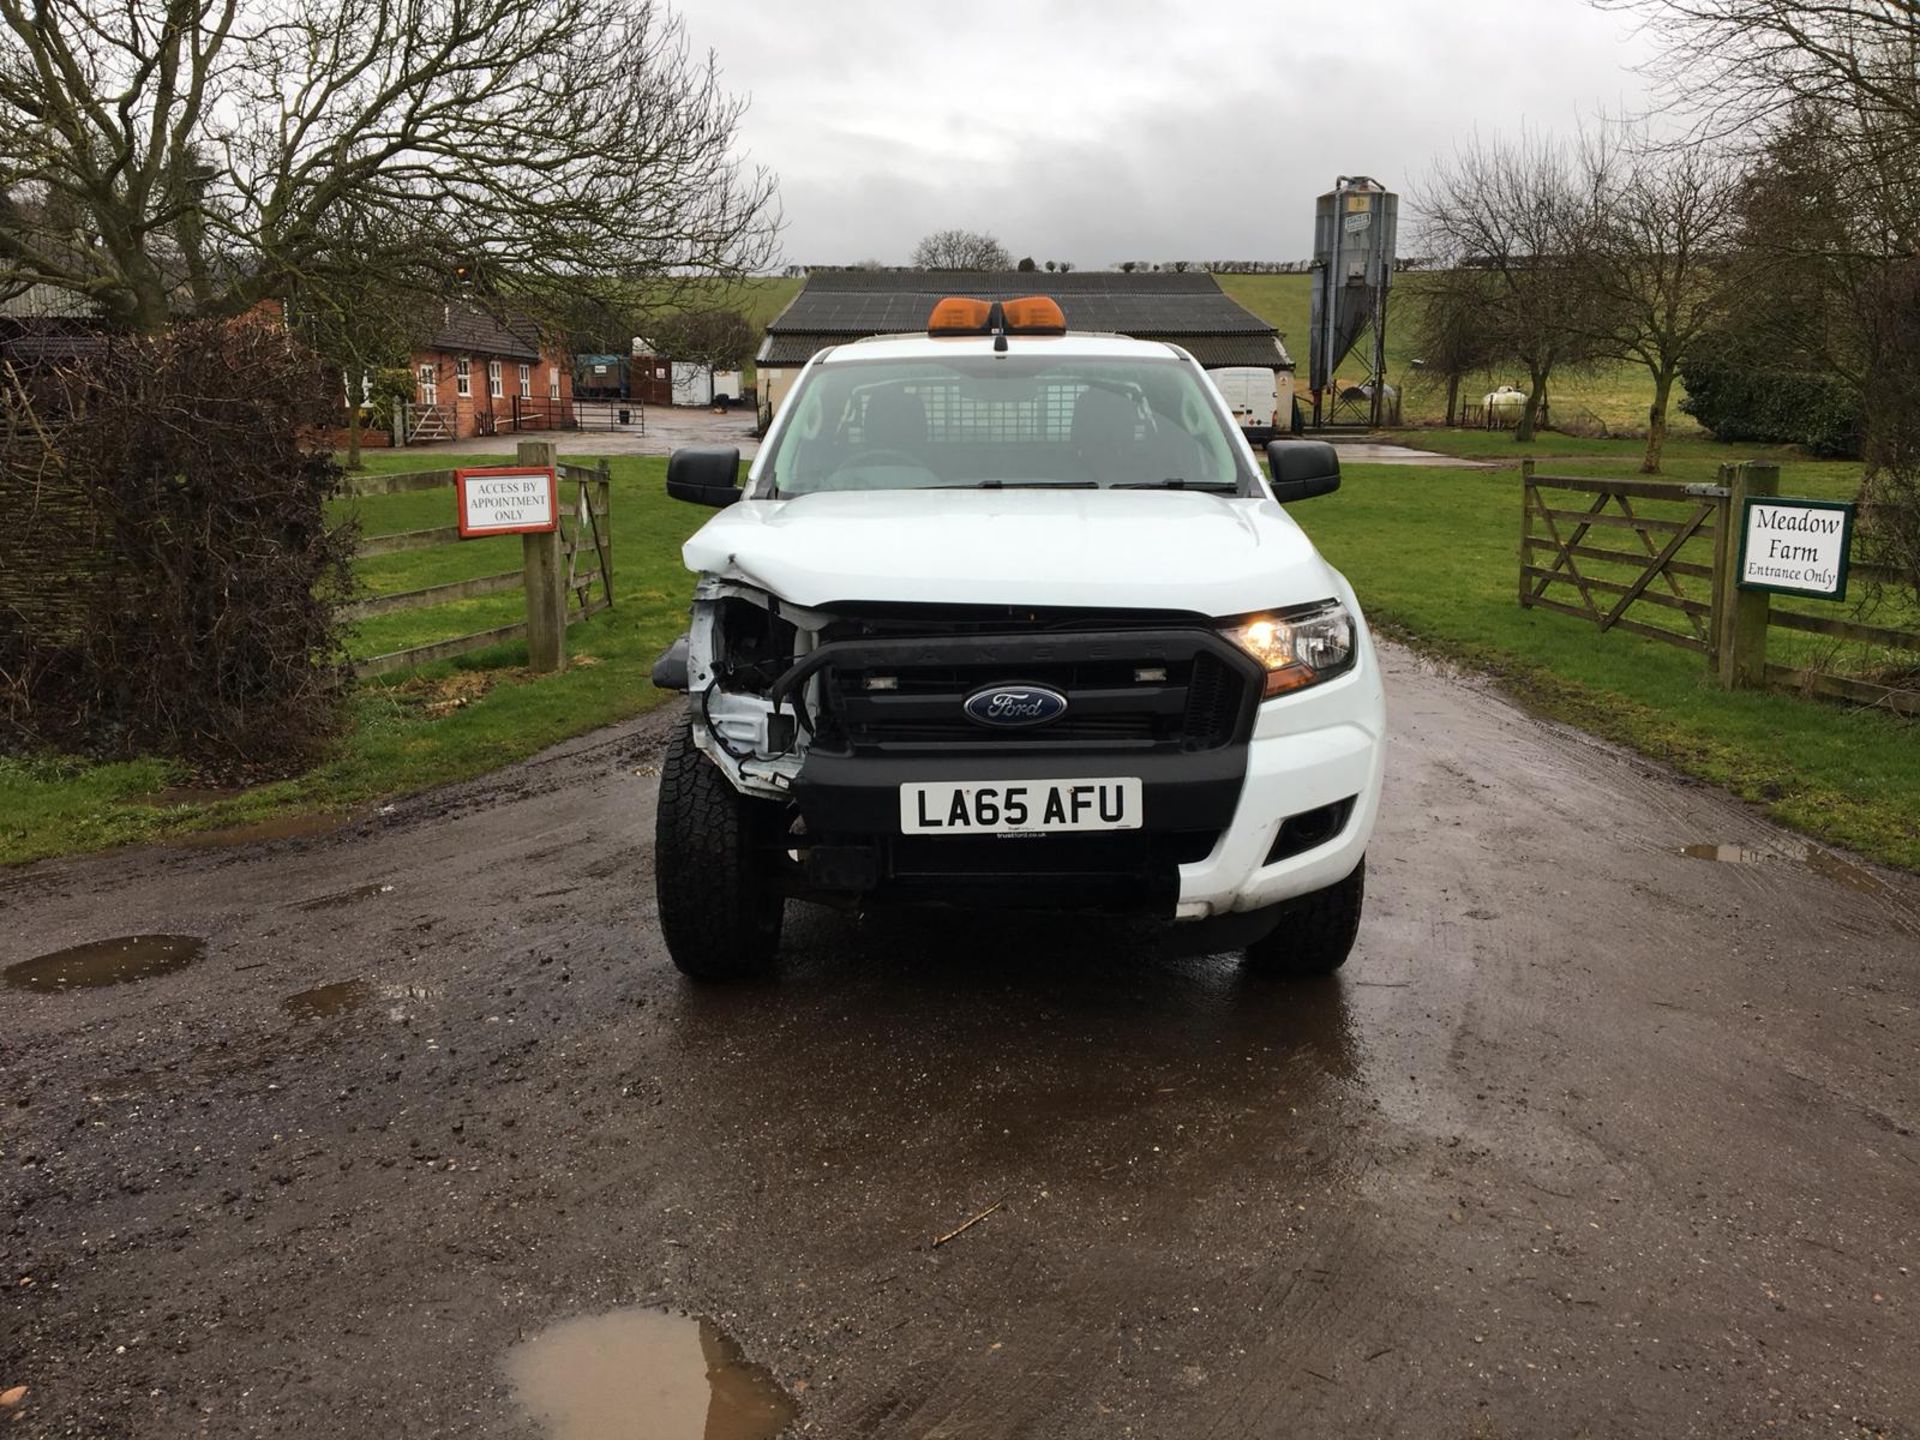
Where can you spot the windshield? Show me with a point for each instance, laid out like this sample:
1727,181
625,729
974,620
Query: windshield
1003,421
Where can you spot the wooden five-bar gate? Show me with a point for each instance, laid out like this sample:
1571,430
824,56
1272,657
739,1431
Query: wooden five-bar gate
586,547
1661,560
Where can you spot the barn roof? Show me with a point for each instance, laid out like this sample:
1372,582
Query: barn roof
1189,310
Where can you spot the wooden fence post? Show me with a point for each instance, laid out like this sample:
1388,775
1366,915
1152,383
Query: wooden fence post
1526,531
1743,630
545,581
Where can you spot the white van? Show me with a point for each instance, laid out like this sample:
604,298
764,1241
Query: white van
1253,395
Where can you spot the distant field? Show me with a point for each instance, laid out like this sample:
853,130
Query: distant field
1615,396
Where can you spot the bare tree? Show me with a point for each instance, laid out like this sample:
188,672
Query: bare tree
961,250
1450,329
1514,211
1741,63
1655,251
161,157
716,337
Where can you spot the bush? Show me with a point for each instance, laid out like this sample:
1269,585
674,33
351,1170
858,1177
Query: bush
168,579
1773,405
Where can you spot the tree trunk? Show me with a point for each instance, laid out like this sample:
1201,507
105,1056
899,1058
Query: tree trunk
353,417
1657,422
1453,398
1536,397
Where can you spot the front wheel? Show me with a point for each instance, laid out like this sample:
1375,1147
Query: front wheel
720,901
1315,932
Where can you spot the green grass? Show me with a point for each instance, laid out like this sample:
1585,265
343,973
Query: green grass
445,722
1613,396
1432,555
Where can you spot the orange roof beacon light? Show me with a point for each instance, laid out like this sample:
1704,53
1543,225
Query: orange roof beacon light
1029,315
958,315
1035,315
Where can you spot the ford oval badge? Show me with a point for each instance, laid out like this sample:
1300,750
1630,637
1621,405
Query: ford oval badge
1009,707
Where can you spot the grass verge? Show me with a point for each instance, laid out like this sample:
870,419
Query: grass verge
443,723
1432,554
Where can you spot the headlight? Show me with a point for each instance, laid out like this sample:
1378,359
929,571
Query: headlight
1300,649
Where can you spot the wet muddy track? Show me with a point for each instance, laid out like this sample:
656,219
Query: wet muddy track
1591,1137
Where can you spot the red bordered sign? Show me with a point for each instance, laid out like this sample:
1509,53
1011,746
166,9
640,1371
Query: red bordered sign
507,500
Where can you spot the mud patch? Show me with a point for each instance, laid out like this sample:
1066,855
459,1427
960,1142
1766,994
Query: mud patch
285,827
117,961
1815,859
645,1375
438,698
176,795
344,897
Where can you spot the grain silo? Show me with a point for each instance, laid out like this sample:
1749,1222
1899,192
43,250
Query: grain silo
1354,227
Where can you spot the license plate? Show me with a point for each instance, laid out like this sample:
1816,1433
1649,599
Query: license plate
1020,807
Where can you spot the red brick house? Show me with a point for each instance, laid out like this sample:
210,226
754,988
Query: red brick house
478,375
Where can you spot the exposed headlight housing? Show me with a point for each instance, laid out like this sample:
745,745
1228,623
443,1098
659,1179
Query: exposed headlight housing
1298,648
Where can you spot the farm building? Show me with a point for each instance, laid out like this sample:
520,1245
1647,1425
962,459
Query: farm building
1188,310
480,375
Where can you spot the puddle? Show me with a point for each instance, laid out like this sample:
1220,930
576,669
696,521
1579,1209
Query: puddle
343,997
344,897
106,962
325,1001
645,1375
1814,858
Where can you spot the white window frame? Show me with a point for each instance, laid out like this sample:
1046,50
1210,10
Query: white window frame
428,379
526,381
553,382
463,377
495,387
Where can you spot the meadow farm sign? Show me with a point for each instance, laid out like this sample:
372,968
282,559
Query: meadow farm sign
1796,547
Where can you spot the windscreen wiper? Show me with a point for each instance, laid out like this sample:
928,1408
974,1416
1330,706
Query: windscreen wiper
1176,483
1018,485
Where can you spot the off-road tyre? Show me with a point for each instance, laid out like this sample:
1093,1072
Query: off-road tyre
720,902
1315,932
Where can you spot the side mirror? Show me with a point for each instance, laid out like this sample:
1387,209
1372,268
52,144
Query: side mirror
704,475
1302,469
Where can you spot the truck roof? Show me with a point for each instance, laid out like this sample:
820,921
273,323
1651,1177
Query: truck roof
927,347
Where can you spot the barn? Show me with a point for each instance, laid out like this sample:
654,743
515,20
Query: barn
1189,310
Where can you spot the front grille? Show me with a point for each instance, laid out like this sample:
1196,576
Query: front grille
1195,699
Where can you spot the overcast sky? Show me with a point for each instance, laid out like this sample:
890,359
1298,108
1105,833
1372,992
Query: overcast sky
1105,130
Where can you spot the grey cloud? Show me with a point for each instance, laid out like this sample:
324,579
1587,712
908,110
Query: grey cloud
1119,129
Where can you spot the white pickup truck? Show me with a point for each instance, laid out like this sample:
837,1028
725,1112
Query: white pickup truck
1008,616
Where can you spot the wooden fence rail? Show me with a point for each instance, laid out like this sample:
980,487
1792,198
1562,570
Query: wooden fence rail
1696,540
585,543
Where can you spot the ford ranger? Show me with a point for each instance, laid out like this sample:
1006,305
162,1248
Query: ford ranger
1008,616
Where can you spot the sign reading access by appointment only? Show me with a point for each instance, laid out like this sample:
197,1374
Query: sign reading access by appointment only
1796,547
508,500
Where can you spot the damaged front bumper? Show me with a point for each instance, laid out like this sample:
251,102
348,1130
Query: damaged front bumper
1246,803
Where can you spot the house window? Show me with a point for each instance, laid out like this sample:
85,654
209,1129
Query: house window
553,382
463,376
429,385
494,387
526,382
